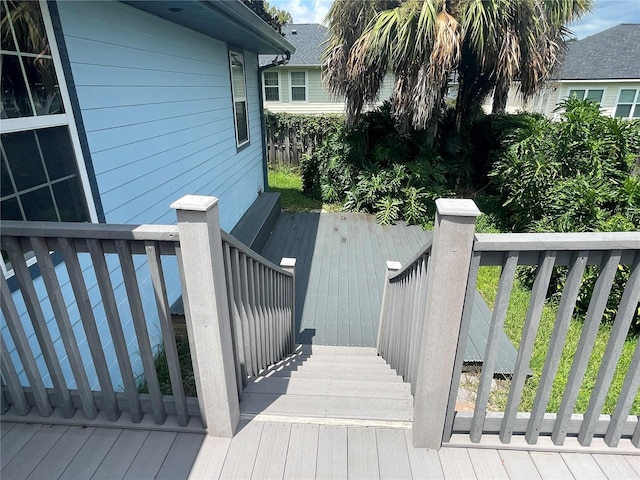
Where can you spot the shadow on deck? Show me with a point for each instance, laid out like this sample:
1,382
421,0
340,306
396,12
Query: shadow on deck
340,274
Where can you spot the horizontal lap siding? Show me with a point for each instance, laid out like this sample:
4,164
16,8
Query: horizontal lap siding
156,105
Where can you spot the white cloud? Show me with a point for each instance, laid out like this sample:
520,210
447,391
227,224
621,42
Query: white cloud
607,14
304,11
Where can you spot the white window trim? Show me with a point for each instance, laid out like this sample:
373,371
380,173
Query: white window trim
264,86
12,125
234,99
634,104
306,87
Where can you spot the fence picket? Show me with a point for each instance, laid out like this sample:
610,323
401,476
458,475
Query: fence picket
10,376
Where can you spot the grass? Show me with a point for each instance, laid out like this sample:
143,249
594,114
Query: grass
487,285
288,183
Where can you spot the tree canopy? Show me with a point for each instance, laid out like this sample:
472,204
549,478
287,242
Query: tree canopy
483,44
271,14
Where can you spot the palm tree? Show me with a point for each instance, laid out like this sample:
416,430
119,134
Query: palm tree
485,43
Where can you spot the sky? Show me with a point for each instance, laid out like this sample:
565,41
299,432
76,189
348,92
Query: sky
606,14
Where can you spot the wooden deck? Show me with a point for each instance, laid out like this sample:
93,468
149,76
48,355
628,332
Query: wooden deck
276,450
340,273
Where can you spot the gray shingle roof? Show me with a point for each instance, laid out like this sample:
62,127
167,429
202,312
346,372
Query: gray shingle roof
612,54
309,42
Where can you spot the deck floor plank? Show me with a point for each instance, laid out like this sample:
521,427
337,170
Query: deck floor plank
302,452
332,453
392,454
116,463
362,462
634,461
425,463
91,455
181,456
456,464
17,438
151,456
32,452
518,464
616,466
272,452
551,465
487,464
62,453
5,427
210,459
242,451
583,466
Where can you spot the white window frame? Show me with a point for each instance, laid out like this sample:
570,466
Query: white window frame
240,99
586,92
264,86
12,125
635,104
306,86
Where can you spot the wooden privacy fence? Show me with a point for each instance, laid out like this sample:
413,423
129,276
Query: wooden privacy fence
239,310
426,316
285,146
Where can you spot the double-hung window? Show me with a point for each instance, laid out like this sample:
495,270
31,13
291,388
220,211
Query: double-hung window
298,86
239,94
593,94
628,105
271,85
42,176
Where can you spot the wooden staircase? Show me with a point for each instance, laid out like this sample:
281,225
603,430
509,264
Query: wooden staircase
330,385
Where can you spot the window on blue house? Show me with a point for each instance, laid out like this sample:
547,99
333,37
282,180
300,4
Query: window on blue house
40,158
239,94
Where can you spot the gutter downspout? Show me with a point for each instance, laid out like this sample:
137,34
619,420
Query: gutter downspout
275,63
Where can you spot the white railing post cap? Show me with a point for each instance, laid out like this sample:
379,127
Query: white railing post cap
460,207
195,203
393,265
287,262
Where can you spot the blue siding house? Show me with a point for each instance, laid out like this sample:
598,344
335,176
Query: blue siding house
112,110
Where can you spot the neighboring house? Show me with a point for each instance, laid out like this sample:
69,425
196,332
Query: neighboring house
296,86
113,110
603,67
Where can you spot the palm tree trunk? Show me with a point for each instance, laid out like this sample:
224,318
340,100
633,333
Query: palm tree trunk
500,97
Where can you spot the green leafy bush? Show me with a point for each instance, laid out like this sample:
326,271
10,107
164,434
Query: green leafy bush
573,175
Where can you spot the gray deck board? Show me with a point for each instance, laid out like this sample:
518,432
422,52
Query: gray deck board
303,452
332,453
91,455
340,273
487,464
17,438
392,454
363,453
32,452
55,462
265,449
5,427
551,464
583,466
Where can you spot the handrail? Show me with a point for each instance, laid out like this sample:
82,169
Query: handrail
504,242
235,243
413,260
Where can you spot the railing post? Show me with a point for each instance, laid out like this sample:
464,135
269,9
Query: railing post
448,271
207,315
289,264
392,267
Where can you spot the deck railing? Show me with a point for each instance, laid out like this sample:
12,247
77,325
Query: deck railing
402,314
87,308
88,251
426,316
575,251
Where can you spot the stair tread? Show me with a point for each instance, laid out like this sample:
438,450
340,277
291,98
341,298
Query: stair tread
331,367
330,350
324,406
379,388
344,359
323,373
